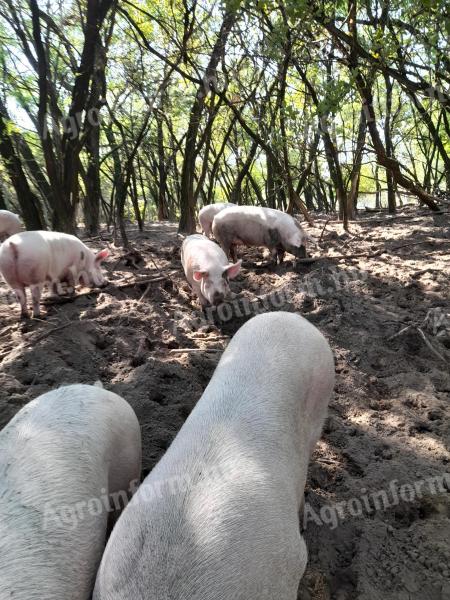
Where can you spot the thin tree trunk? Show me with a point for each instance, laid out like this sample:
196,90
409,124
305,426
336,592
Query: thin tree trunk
27,199
2,200
187,201
377,189
389,148
236,191
135,201
356,171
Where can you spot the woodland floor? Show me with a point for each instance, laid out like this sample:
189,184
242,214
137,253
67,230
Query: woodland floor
389,420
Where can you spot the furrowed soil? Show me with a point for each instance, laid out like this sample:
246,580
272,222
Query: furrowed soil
377,515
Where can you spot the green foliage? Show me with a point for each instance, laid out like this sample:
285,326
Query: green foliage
152,42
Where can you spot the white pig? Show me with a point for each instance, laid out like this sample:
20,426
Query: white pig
217,518
9,224
258,226
60,458
207,269
207,214
36,258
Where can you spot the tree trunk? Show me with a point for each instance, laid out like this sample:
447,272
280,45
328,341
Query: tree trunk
236,191
389,148
91,203
331,152
135,201
393,165
2,200
64,178
162,172
356,171
187,201
377,189
270,183
27,199
31,164
216,163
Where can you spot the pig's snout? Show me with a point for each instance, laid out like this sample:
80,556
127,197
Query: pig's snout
98,280
301,252
218,298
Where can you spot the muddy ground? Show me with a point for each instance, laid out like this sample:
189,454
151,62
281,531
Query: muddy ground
368,537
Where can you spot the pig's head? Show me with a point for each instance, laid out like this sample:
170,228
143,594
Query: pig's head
296,242
92,274
214,284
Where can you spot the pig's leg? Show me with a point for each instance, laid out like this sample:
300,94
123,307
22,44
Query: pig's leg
273,241
233,253
225,242
22,299
56,288
301,514
274,254
72,280
280,253
36,291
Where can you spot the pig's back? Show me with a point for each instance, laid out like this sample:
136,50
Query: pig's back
198,251
230,530
250,224
9,223
25,259
258,213
55,456
37,257
210,210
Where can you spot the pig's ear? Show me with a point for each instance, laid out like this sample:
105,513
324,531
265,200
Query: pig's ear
233,270
198,275
102,255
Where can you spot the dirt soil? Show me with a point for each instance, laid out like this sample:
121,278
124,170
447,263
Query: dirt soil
389,419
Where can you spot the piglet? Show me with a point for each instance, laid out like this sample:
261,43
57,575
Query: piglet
207,269
218,515
67,459
207,213
36,258
9,224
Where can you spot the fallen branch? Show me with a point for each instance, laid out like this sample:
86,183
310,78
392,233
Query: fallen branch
119,286
323,230
401,332
192,350
365,254
429,345
216,338
50,332
390,218
422,335
127,284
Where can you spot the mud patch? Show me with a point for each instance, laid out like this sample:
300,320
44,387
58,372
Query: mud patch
389,421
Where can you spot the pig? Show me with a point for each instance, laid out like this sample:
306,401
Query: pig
36,258
207,269
9,224
66,459
207,214
257,226
218,515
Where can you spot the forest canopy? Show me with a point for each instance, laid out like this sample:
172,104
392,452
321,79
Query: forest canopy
116,109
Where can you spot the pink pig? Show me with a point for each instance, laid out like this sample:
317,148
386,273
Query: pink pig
36,258
9,224
207,269
207,214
